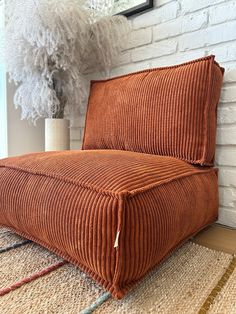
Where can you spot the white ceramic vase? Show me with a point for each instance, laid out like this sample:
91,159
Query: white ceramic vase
57,134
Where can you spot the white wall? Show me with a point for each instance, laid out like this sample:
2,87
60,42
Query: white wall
3,113
180,30
3,135
22,137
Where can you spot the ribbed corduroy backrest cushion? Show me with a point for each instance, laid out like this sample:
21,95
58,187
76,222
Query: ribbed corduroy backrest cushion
167,111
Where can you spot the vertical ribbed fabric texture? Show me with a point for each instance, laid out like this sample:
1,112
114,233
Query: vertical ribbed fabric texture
78,204
167,111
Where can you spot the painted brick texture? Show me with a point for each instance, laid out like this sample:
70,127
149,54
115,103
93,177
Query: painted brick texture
176,31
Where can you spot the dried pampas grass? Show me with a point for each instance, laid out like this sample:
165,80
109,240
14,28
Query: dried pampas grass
50,44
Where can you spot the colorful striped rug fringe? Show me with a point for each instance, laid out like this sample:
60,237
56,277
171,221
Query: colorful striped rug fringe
14,246
32,277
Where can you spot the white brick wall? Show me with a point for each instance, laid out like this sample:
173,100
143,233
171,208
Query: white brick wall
176,31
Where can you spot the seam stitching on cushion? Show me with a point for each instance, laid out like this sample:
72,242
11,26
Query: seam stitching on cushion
82,185
191,161
158,68
116,195
120,229
154,185
206,112
86,117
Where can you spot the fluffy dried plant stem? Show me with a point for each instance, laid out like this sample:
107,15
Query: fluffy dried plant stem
49,46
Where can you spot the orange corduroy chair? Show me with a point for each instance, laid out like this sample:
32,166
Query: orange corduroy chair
143,183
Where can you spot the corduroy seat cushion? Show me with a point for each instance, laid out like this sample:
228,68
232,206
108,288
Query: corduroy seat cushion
167,111
115,214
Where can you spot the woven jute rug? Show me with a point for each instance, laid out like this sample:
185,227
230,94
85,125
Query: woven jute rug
194,279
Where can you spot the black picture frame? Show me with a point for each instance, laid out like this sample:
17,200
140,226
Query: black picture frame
148,4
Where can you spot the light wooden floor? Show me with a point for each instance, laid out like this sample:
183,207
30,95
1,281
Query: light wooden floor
218,237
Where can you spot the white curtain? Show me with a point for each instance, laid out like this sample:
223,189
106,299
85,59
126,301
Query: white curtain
3,108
